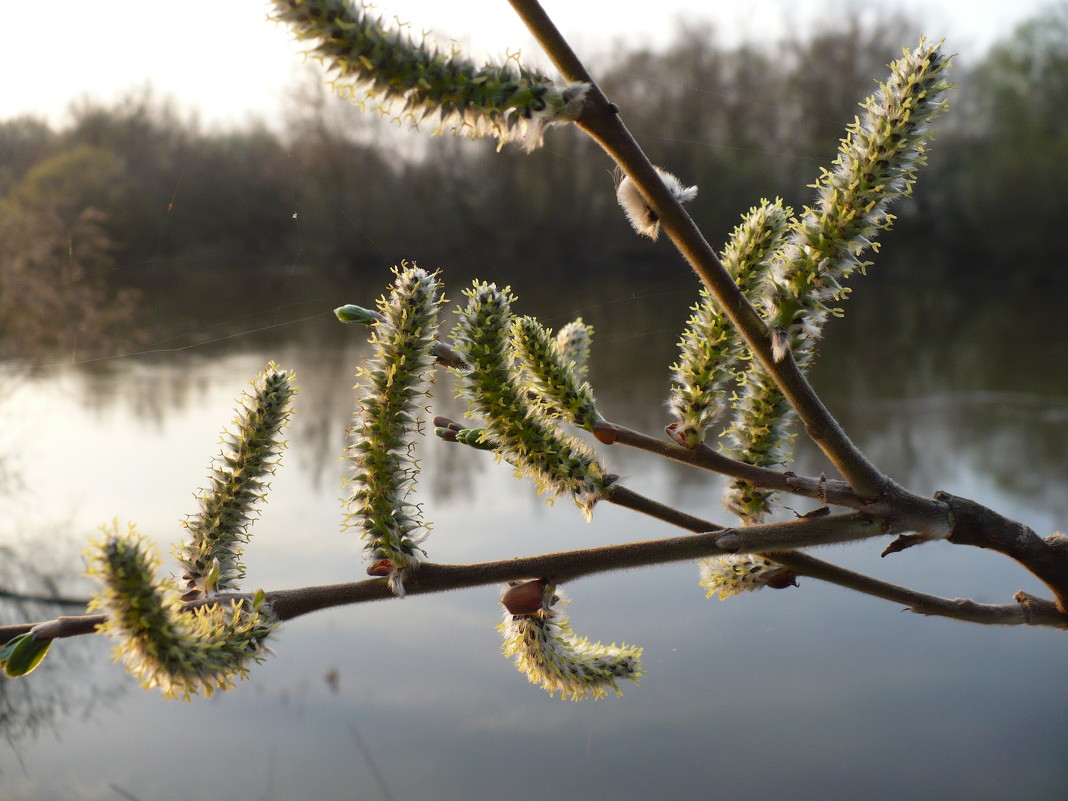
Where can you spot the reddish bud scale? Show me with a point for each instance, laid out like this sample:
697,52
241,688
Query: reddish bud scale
676,437
606,432
383,567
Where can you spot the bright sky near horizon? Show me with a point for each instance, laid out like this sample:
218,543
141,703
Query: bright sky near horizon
223,58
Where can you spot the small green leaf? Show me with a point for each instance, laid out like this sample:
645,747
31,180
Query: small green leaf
23,653
258,600
9,646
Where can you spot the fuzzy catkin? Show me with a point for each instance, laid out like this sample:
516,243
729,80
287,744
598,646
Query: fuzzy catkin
417,81
710,348
553,378
525,436
181,652
211,559
388,404
876,165
550,654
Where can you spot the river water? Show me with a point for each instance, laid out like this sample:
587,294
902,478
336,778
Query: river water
807,693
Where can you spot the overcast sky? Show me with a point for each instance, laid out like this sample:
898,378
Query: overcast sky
224,58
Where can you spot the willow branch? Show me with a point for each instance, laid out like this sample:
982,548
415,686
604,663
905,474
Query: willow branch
572,565
1047,559
911,512
600,119
978,526
778,541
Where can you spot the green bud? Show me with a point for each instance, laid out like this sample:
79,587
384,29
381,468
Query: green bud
351,313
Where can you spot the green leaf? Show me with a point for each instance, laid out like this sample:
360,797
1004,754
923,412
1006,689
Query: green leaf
23,653
9,646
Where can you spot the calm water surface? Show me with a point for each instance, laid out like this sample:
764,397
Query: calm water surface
809,693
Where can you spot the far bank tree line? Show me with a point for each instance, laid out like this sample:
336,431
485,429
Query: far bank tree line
136,193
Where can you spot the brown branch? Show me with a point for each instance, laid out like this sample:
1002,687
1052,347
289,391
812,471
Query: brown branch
778,540
1040,614
976,525
621,496
571,565
704,457
58,628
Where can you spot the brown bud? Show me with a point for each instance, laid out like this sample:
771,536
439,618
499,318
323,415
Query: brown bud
526,598
783,579
605,432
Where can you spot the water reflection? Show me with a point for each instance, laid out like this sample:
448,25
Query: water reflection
810,693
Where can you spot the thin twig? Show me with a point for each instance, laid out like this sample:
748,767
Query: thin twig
707,459
58,600
828,491
621,496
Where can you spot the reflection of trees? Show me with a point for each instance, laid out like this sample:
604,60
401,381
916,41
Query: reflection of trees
40,577
957,378
326,364
31,578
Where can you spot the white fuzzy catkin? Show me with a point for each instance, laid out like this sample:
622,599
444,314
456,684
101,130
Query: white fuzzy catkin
639,213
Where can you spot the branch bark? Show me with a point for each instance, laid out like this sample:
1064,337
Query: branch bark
777,540
975,524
